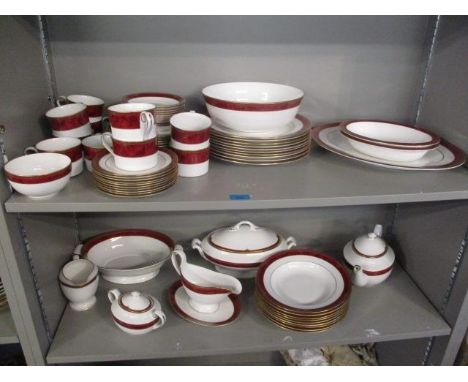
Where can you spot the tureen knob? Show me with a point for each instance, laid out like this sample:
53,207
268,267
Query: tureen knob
371,235
135,294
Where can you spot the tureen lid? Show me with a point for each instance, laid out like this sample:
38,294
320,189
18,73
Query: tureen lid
136,302
244,237
371,244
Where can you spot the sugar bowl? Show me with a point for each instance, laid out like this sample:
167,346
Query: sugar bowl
135,312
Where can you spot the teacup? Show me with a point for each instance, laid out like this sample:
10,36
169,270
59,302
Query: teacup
191,129
94,107
192,163
92,146
132,156
79,281
69,121
132,122
71,147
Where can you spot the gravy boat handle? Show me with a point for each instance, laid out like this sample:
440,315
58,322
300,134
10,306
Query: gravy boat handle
178,258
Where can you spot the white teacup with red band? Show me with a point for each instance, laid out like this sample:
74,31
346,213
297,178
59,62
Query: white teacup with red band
132,156
193,163
92,146
71,147
190,131
132,121
39,176
69,121
94,107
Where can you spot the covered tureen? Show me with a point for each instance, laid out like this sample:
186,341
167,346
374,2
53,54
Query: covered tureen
239,250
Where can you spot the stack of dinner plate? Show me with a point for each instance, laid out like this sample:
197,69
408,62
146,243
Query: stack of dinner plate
166,106
286,144
3,298
114,181
303,290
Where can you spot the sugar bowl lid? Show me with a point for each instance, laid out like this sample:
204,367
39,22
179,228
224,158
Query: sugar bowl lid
371,244
244,237
135,302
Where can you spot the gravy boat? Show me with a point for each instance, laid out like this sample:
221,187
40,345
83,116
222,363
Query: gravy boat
206,288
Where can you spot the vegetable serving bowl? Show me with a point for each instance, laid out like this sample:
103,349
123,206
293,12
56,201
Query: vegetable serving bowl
390,141
252,106
39,176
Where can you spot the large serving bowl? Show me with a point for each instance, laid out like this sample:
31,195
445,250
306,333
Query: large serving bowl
252,106
239,250
39,176
128,256
390,141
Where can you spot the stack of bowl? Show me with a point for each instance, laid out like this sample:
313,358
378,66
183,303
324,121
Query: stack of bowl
303,290
389,141
257,123
166,106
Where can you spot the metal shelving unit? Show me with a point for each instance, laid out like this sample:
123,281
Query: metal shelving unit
7,328
350,67
322,180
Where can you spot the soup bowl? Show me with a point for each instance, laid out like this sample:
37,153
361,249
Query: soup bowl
252,106
39,176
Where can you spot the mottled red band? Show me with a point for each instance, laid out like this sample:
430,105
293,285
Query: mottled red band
36,179
190,137
192,157
134,149
70,122
130,120
203,290
251,106
94,110
91,152
74,153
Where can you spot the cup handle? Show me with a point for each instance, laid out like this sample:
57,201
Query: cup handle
105,144
178,258
113,295
291,242
107,126
30,150
162,318
147,125
61,99
196,244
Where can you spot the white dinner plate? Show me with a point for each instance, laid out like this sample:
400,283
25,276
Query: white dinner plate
303,282
291,128
446,156
107,163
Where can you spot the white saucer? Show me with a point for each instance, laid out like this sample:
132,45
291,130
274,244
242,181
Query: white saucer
227,312
107,163
444,157
291,128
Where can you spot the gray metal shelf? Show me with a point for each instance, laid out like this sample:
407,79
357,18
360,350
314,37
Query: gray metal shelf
7,327
394,310
324,179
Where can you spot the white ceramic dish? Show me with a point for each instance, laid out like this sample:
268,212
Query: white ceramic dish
107,163
239,250
303,282
206,289
128,256
135,312
446,156
252,106
227,312
370,258
132,122
389,134
79,282
39,176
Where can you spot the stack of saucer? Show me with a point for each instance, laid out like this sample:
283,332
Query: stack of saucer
117,182
316,300
282,145
166,106
3,298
